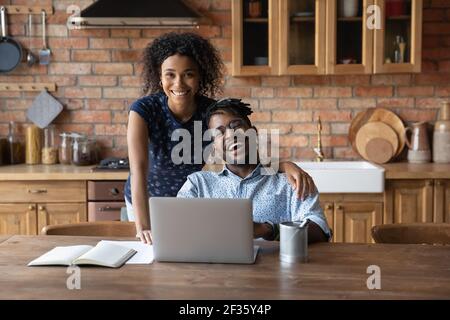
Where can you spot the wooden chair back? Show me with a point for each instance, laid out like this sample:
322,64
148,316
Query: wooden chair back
412,233
97,228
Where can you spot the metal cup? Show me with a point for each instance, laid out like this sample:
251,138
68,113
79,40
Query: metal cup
293,242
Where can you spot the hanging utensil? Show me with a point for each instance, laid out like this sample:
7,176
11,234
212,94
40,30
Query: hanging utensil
10,49
44,53
31,59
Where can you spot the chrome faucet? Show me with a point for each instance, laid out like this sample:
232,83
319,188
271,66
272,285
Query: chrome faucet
318,150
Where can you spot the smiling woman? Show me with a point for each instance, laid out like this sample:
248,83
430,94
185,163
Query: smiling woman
182,71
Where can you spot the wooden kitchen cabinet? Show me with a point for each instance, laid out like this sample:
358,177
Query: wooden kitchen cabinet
28,206
60,213
349,42
404,22
18,218
351,217
353,221
302,37
441,201
408,201
311,37
254,37
417,200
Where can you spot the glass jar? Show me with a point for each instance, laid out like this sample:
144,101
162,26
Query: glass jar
254,8
33,138
65,148
3,151
81,151
15,147
49,150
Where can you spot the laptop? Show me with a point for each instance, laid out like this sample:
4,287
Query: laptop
202,230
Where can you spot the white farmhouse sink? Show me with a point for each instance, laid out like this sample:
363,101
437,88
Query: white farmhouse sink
345,176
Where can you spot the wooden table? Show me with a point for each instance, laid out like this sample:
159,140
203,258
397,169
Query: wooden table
4,238
335,271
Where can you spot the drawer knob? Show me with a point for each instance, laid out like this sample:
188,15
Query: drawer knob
31,207
339,207
439,183
41,208
36,191
429,183
114,191
328,207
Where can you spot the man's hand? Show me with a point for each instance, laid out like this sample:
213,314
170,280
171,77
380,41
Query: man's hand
145,236
262,230
299,179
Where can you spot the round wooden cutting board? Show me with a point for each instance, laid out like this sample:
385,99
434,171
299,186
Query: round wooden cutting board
379,150
377,114
372,130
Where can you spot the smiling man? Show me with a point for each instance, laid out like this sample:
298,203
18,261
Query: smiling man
274,201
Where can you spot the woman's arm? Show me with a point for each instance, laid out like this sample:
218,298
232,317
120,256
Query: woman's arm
137,140
299,179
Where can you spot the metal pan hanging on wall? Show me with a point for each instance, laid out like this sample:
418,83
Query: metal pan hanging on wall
10,49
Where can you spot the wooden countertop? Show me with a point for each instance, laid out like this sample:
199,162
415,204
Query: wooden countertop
404,170
335,271
400,170
57,172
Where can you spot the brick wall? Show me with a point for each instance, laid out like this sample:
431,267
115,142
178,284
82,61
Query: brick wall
98,77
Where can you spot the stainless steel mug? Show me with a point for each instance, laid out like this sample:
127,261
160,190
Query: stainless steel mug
293,242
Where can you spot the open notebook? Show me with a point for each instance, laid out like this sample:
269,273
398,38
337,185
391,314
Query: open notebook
111,254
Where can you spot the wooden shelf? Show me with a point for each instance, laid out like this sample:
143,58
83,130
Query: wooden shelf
399,18
350,19
27,86
303,19
28,9
256,20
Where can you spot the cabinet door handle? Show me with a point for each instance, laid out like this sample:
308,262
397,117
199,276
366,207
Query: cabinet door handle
429,183
41,208
339,207
36,191
31,207
108,208
114,191
439,183
328,207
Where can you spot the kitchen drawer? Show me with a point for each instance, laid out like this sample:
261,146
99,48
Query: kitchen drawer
106,190
104,211
43,191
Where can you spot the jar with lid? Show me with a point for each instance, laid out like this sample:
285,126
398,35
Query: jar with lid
65,148
82,151
49,150
33,139
441,135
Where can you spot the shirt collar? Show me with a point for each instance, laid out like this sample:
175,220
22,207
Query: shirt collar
256,172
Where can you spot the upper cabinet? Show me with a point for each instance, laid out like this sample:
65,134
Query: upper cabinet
301,45
398,43
293,37
349,40
255,25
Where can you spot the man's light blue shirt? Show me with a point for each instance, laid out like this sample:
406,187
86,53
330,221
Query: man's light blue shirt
272,196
